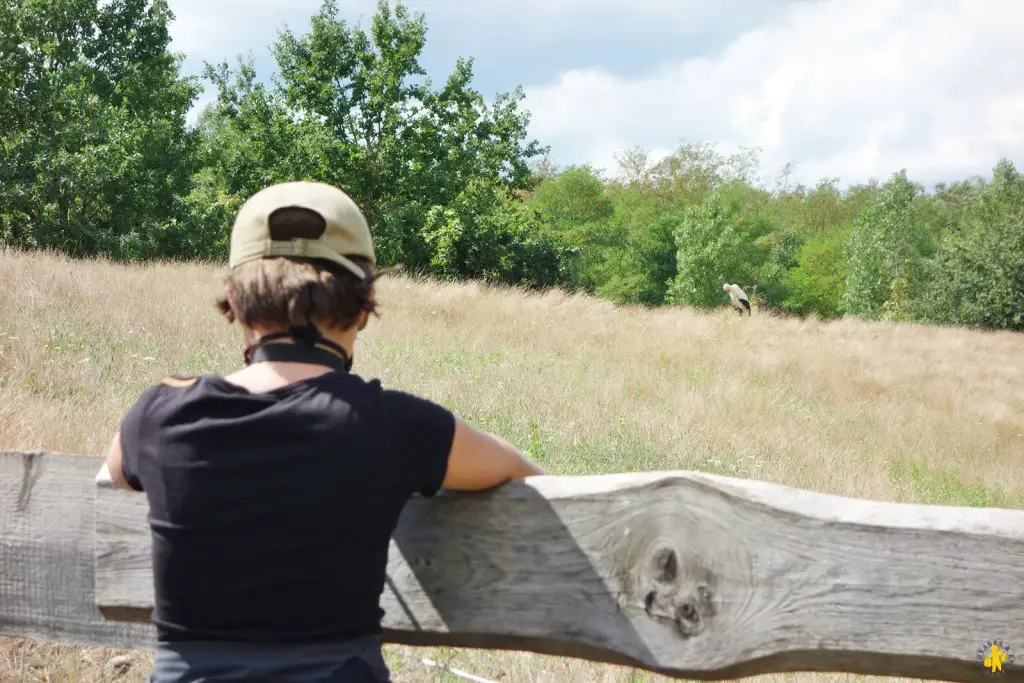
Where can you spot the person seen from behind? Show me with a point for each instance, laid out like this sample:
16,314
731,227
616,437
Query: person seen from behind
273,491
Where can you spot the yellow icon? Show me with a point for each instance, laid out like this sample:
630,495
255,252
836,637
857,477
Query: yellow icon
996,656
994,660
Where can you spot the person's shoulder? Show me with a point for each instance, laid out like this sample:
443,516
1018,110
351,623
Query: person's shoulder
399,395
354,387
402,404
176,387
179,381
365,395
169,390
344,383
152,404
166,386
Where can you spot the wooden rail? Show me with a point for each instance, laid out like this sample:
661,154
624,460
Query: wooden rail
685,574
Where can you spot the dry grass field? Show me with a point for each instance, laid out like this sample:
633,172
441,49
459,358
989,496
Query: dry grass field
883,411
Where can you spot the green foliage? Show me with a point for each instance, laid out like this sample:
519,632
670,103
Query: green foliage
571,201
96,158
817,282
486,234
640,271
727,238
352,108
883,253
707,253
978,272
779,248
94,152
575,209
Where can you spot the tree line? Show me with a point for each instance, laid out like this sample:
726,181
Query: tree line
97,158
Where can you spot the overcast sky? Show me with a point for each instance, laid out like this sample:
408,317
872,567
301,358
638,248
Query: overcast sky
846,88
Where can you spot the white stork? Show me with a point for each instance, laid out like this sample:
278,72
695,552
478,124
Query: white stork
738,297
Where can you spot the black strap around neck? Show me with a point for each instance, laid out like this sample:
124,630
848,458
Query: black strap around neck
306,348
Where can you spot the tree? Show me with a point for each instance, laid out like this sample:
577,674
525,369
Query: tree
884,253
576,210
487,233
94,147
817,281
572,199
356,105
978,272
641,271
708,252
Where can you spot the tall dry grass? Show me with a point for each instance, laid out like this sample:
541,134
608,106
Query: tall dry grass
886,411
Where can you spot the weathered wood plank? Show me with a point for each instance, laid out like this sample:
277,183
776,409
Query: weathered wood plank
687,574
47,518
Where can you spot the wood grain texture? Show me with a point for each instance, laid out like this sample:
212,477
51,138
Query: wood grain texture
687,574
47,518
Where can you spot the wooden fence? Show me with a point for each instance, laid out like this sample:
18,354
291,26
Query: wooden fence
685,574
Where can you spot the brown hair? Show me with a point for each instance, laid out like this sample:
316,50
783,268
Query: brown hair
279,293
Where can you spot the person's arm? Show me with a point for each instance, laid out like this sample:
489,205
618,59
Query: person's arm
438,450
480,460
115,464
124,451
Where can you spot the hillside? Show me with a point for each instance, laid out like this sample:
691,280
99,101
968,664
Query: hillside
888,411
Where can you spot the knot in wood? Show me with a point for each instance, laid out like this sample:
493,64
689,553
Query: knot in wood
687,612
666,565
677,595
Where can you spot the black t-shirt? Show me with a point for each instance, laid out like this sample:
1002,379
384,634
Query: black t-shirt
271,513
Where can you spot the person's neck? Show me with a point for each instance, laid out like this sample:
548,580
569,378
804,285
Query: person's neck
346,339
269,375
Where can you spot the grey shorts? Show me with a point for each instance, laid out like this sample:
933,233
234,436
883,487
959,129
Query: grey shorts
352,661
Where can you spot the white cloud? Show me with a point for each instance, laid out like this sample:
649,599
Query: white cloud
218,28
848,88
511,41
538,16
221,29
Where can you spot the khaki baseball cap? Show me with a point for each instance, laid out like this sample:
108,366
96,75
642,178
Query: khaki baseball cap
342,232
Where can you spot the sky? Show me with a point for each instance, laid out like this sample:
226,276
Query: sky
846,89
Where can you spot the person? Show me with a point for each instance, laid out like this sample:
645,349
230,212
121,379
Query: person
273,491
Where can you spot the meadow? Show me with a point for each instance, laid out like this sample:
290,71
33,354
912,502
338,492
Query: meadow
891,411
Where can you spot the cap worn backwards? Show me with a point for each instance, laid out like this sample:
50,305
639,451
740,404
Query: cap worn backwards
301,219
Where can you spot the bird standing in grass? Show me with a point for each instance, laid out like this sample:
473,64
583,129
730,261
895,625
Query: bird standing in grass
738,297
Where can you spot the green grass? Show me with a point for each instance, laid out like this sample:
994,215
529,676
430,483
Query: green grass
885,412
939,486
